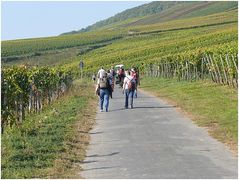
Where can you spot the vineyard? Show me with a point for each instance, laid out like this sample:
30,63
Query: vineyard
220,18
153,48
221,70
31,46
28,90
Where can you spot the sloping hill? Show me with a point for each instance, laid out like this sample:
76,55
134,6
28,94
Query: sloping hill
186,10
160,11
137,12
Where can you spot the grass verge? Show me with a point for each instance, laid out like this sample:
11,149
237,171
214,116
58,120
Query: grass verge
51,144
208,105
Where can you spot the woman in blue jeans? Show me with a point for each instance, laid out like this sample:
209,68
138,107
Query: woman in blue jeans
129,88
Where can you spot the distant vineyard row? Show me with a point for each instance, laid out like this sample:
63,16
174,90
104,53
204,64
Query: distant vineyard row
216,19
19,47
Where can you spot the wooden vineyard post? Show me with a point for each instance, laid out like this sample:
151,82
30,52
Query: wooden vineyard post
21,108
187,78
194,76
178,71
186,70
166,70
209,69
224,71
233,60
175,70
236,68
196,71
163,70
202,72
217,69
228,70
213,69
171,70
157,70
182,71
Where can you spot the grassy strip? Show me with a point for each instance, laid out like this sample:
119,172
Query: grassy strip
53,143
209,105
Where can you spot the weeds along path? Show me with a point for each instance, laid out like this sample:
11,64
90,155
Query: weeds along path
153,140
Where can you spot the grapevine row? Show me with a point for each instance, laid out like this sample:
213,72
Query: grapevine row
221,69
28,90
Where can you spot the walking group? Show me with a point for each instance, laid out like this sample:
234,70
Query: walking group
128,80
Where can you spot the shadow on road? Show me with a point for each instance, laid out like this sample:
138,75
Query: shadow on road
117,109
143,107
86,162
97,155
96,132
99,168
143,97
85,132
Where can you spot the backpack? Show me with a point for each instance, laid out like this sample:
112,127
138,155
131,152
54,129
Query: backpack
112,72
131,85
103,83
135,75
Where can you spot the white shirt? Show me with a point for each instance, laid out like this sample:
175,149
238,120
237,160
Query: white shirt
100,73
127,79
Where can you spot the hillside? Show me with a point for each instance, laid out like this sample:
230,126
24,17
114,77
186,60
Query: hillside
136,12
163,11
187,10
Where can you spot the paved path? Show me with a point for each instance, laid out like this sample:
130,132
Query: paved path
153,140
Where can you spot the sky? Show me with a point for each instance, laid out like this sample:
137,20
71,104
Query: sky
29,19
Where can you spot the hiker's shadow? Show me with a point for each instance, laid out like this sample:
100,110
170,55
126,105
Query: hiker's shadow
151,107
143,107
120,109
103,155
100,168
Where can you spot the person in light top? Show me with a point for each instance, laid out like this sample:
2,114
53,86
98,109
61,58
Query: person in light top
129,86
103,89
101,73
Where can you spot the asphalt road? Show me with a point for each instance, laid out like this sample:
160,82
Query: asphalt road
153,140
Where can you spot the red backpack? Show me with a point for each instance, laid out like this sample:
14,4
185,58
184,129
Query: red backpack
135,75
131,84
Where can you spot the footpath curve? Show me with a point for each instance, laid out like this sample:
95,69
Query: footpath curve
153,140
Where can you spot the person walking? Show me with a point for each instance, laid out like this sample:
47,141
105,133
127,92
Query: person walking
113,74
129,86
100,73
102,89
121,75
